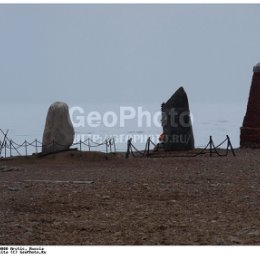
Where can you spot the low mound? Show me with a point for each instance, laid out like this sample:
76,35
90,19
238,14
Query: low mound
64,157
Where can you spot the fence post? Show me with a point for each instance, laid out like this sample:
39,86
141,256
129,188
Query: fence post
5,149
25,148
148,146
106,146
80,144
114,142
88,145
110,145
128,148
230,145
36,146
210,145
10,147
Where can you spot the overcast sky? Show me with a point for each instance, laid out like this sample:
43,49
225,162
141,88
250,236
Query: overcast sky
128,53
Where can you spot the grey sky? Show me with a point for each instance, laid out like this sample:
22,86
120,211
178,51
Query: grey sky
129,53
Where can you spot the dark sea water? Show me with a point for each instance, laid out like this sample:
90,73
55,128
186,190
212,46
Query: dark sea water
26,122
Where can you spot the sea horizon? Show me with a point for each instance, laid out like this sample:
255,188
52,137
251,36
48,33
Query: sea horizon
25,121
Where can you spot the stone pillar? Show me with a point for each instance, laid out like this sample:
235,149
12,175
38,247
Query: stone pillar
250,131
176,123
58,133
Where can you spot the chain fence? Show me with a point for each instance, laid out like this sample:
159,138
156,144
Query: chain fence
9,147
153,150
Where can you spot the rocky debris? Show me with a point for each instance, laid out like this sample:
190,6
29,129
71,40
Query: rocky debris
83,182
12,189
254,233
62,182
234,240
176,122
105,197
58,133
9,169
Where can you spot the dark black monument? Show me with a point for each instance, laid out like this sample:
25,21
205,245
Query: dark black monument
176,123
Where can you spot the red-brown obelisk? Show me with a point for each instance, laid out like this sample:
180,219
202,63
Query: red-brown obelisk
250,131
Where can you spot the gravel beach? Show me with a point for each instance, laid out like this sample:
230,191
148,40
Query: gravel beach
91,198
